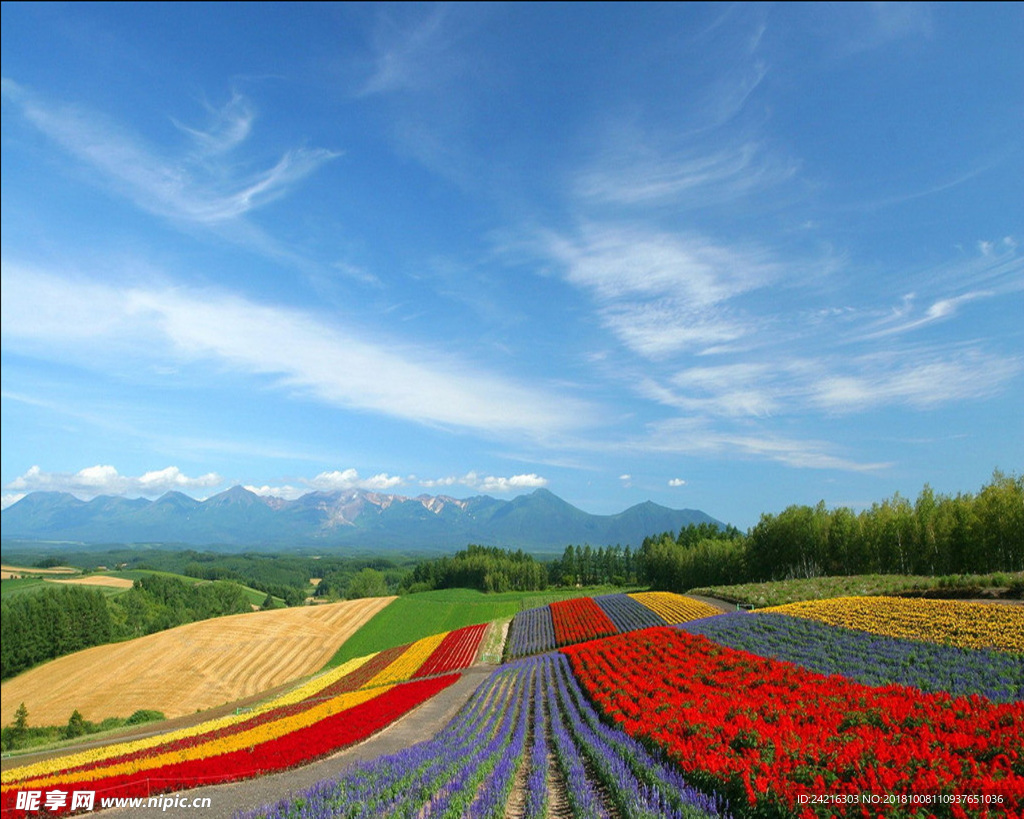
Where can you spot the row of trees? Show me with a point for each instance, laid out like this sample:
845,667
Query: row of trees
586,566
19,734
485,568
936,535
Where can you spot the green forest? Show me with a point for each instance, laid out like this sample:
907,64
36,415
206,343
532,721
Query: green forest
936,535
60,620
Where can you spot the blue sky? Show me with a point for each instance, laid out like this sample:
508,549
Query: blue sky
726,257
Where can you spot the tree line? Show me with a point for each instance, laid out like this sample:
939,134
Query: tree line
56,621
484,568
935,535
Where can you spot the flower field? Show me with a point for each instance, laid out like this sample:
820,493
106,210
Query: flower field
872,659
952,622
770,735
740,714
587,618
578,619
331,711
527,737
674,608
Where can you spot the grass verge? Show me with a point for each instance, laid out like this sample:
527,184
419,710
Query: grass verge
779,592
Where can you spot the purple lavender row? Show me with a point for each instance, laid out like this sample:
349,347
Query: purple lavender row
537,781
531,632
490,802
585,802
469,767
871,659
626,613
420,779
480,788
641,785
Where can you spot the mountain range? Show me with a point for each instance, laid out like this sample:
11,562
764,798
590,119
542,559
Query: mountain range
539,521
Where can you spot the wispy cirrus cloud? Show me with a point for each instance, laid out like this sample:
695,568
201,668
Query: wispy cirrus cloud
406,53
921,379
691,436
662,293
301,353
198,186
636,174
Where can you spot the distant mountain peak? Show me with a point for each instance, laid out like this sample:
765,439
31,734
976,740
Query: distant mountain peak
538,521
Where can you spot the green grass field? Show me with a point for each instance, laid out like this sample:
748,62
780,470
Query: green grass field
420,615
780,592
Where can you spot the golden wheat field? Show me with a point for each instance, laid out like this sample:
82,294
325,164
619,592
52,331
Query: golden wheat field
97,580
8,572
191,667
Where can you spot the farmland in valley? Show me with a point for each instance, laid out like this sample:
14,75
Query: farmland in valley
747,715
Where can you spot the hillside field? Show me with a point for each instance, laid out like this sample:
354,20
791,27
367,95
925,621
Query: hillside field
188,668
420,615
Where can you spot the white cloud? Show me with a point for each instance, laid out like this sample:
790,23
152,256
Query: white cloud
690,436
206,188
663,293
304,355
675,482
349,479
10,498
286,492
632,173
409,56
104,479
923,379
490,483
510,484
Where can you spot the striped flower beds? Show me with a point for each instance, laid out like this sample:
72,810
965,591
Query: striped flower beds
952,622
530,632
342,706
530,724
674,608
578,619
627,613
872,659
456,651
587,618
281,745
770,735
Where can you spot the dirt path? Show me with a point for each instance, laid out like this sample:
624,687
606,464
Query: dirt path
419,724
721,605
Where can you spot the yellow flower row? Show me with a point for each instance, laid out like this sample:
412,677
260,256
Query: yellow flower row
298,694
951,622
403,667
216,747
674,608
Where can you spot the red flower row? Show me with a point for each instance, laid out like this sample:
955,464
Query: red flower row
457,651
580,619
764,731
298,747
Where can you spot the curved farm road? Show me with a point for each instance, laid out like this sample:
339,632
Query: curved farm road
419,724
